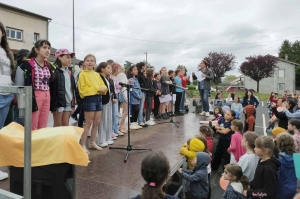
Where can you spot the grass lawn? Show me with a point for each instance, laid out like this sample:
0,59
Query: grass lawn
261,96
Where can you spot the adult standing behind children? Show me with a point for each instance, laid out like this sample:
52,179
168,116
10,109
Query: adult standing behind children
62,89
141,67
91,88
204,86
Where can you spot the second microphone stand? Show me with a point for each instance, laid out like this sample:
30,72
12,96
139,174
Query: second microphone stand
129,146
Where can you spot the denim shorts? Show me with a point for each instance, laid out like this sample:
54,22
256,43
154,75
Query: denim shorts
120,97
92,103
64,109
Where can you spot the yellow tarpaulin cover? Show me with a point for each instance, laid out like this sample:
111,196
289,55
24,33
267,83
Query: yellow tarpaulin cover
49,146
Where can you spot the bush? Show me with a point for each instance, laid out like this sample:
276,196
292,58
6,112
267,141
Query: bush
191,87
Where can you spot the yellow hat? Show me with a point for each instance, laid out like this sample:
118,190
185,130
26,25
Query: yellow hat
277,130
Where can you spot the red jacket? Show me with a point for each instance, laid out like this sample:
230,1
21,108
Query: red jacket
210,144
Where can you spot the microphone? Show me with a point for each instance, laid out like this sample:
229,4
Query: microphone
123,84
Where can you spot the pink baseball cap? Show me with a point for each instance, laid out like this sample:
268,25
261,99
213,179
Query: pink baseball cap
60,52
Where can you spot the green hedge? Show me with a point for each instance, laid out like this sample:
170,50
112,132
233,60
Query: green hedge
191,87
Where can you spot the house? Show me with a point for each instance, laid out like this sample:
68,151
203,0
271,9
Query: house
23,28
237,81
283,79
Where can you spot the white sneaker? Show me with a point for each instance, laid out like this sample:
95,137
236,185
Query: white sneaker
151,119
115,135
203,113
207,114
3,175
136,125
103,145
133,127
119,133
150,123
110,142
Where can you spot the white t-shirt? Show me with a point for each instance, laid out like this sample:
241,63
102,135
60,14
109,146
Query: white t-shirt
123,79
248,162
237,186
5,70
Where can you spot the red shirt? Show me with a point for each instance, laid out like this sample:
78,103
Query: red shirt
210,144
182,77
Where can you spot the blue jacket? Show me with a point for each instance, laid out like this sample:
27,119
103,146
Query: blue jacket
230,193
290,115
198,176
287,181
135,92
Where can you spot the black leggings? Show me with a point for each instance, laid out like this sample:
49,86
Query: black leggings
209,187
148,107
135,109
177,102
156,105
221,152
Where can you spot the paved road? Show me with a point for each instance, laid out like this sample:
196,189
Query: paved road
262,119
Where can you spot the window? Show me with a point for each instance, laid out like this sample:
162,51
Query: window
36,37
14,34
280,87
281,73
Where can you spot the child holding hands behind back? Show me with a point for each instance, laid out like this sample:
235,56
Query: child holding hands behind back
199,187
236,150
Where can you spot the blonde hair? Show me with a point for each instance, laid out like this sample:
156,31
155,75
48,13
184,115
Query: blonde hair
265,142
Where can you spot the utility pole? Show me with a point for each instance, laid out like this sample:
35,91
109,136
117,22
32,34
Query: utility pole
146,58
73,35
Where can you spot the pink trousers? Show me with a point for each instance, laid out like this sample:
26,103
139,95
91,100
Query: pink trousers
40,117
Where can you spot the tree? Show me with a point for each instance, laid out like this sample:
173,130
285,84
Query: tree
219,64
229,78
127,65
292,50
259,67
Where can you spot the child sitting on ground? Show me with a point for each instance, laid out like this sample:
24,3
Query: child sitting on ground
198,176
192,146
265,182
236,150
250,121
238,182
248,162
287,181
155,171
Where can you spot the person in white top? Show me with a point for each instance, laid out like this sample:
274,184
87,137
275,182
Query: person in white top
6,79
248,162
123,79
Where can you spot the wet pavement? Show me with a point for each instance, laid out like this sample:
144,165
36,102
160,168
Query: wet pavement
107,176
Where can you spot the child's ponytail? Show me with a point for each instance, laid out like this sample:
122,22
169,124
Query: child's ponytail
245,182
152,192
32,53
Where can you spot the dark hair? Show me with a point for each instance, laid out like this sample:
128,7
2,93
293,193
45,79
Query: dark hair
81,63
156,74
155,169
217,95
250,137
232,95
232,113
203,139
170,72
140,65
149,73
237,98
265,142
110,61
295,123
37,45
283,99
177,71
237,172
58,62
246,93
9,54
162,68
20,55
207,131
291,102
101,66
238,124
129,75
205,62
220,111
285,143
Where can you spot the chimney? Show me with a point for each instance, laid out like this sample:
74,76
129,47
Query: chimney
286,57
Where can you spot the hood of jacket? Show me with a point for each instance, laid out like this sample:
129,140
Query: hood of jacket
196,145
203,160
249,109
273,163
286,160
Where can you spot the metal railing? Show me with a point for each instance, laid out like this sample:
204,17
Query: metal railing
24,98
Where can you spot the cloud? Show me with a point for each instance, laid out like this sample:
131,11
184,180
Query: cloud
190,29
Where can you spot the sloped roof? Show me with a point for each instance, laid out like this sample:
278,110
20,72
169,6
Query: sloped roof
293,63
23,11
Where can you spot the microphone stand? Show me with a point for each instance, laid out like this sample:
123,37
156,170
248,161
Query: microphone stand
129,146
171,116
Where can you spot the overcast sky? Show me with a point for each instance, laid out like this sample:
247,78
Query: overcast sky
184,31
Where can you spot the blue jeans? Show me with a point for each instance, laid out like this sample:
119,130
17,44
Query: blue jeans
204,99
140,117
181,107
5,101
115,118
